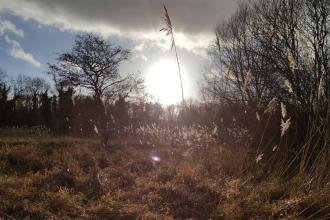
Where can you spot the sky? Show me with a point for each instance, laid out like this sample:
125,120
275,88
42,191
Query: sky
34,32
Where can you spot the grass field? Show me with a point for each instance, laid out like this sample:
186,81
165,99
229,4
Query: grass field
45,177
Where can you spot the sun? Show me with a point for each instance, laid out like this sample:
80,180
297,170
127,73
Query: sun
163,82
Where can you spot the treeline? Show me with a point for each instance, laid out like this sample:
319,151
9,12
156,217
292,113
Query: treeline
24,101
91,97
28,102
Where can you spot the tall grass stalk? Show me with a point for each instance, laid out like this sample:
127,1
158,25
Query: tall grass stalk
169,32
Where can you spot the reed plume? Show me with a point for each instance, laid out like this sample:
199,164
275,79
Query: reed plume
292,62
289,85
169,32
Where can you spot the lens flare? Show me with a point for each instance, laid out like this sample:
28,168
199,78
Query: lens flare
155,158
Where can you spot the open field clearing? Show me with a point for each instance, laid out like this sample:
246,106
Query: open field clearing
165,110
68,178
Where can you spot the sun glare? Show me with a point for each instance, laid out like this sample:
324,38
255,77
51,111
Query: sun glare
163,82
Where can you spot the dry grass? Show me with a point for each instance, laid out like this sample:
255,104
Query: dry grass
66,178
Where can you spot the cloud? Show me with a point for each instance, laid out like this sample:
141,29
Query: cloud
17,51
7,26
137,20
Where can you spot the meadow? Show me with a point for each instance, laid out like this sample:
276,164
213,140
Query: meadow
261,150
156,173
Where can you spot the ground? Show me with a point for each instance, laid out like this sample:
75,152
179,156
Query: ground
47,177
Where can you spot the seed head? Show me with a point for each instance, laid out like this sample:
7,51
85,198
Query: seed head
283,110
271,108
288,84
258,116
247,80
259,158
292,62
168,26
321,85
285,126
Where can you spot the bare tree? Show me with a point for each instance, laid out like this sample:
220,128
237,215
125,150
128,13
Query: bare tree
267,46
3,76
276,48
93,63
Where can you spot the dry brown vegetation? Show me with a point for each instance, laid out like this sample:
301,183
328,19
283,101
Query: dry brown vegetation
45,177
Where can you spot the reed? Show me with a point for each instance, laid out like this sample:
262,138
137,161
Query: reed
169,32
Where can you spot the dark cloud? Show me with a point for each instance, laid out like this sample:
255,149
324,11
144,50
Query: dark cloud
188,16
